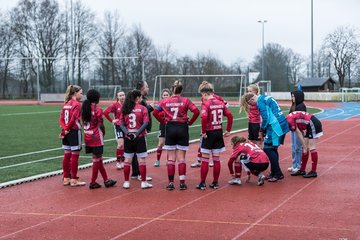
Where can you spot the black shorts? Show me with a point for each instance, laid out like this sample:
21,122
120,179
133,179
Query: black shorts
161,131
136,146
118,132
214,143
176,136
72,140
256,168
97,151
254,129
314,129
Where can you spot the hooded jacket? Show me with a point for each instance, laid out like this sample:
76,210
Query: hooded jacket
299,102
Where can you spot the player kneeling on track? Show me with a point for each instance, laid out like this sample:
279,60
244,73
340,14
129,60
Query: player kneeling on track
133,121
309,129
94,132
251,156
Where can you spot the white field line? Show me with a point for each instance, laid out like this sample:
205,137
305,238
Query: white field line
28,113
84,166
35,161
107,140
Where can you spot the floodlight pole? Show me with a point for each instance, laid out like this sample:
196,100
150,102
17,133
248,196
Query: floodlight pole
263,47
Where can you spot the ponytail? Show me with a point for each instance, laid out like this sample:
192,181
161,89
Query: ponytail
92,96
236,140
70,91
206,87
244,102
177,87
129,102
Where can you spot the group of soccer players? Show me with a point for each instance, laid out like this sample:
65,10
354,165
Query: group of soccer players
131,120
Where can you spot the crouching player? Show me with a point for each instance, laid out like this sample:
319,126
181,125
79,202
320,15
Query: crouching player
309,129
249,154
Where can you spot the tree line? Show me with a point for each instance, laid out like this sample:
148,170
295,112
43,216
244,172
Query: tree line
57,46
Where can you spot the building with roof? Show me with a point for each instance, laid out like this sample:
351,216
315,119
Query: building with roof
317,84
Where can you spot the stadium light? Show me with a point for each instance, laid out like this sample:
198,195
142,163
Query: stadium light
263,61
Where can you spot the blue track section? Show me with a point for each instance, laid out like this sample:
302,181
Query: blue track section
346,111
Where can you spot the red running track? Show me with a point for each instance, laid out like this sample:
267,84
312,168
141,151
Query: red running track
326,207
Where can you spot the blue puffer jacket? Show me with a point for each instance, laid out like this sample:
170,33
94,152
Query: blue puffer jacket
273,120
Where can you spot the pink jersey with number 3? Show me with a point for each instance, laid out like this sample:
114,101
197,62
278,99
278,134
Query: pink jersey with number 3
134,120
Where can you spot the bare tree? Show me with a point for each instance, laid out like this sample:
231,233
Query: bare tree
112,32
39,27
294,64
84,32
7,51
343,47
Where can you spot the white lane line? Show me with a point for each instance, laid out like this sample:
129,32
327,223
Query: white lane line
107,140
27,113
300,190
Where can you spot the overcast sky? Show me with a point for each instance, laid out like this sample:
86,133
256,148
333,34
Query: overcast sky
229,29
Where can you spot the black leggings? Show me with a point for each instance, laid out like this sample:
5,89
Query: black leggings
273,155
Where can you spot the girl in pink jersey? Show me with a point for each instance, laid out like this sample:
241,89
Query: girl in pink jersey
164,94
177,125
251,156
254,118
133,122
94,131
115,109
71,134
309,129
212,111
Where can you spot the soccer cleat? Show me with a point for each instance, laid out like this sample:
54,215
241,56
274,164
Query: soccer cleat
298,173
273,179
290,169
195,164
201,186
66,181
235,181
157,163
295,170
147,178
214,185
211,163
310,174
146,185
94,185
135,177
109,183
170,186
76,183
261,180
126,185
119,165
183,186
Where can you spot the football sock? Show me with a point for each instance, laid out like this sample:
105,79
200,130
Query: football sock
66,163
182,170
171,169
217,167
314,158
204,168
126,171
142,169
74,163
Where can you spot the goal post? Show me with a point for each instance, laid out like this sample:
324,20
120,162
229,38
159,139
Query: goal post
235,82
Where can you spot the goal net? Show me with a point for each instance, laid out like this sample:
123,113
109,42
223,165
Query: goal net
230,87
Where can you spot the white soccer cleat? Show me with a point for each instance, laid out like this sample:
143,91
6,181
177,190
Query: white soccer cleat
147,178
211,163
119,165
126,185
145,185
195,164
235,181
